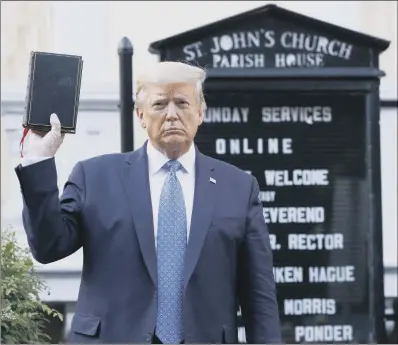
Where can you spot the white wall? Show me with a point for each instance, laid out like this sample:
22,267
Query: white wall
389,173
379,18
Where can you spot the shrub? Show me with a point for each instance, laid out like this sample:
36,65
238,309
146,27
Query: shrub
23,315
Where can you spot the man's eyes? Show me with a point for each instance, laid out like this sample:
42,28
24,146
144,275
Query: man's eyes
160,104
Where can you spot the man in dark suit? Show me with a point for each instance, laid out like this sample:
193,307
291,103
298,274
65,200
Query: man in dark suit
173,240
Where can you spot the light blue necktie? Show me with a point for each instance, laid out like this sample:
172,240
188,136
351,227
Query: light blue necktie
171,246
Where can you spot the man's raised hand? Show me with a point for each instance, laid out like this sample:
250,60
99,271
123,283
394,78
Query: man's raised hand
44,144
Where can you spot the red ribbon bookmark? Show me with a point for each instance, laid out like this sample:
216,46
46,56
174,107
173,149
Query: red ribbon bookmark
25,132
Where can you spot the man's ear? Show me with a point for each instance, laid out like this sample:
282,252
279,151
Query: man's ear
201,115
139,113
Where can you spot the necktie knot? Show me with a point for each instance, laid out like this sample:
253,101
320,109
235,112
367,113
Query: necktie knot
173,166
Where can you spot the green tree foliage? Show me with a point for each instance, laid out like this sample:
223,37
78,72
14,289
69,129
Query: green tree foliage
23,315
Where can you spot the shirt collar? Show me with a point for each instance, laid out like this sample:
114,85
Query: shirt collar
156,159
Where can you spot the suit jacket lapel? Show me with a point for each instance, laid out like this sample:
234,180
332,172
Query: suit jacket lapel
203,207
136,185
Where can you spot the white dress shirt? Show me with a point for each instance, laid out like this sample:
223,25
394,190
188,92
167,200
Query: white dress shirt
157,177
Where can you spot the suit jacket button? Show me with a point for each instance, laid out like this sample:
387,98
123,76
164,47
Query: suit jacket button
148,337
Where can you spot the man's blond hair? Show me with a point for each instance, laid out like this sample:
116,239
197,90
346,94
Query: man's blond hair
171,72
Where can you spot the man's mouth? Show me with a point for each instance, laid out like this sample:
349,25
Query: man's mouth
173,130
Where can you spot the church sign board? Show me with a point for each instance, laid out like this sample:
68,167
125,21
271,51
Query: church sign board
294,102
264,39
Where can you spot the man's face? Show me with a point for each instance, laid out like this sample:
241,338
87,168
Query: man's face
171,115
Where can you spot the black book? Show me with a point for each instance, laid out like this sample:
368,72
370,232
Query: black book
53,87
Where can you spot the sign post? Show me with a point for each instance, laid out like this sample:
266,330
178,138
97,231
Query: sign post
125,51
295,102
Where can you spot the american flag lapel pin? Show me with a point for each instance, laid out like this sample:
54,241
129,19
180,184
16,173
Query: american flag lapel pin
212,180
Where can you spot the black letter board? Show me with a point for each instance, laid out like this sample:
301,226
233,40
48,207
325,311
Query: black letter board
295,102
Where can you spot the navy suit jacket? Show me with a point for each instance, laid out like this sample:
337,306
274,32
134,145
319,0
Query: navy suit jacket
106,209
